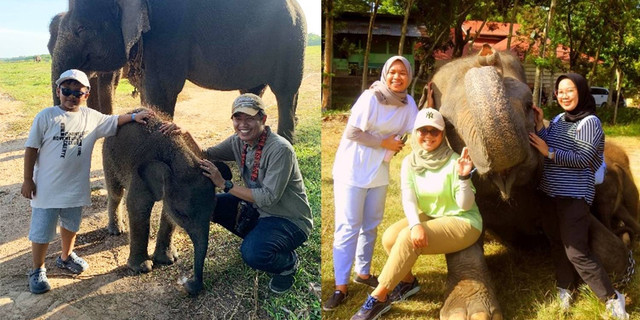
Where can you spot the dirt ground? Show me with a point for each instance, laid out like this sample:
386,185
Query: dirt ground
108,289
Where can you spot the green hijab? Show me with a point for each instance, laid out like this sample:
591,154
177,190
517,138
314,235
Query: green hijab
422,160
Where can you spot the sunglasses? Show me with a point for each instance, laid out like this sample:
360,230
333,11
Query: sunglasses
431,132
67,92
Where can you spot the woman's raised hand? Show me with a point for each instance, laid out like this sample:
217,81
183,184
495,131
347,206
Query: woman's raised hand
465,165
538,116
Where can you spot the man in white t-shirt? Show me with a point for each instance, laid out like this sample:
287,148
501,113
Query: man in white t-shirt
57,163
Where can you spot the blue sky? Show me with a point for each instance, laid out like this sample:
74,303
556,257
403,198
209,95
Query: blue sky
24,24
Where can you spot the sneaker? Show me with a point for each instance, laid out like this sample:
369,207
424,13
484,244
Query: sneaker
372,281
372,309
73,263
564,297
281,283
404,290
38,282
336,299
615,307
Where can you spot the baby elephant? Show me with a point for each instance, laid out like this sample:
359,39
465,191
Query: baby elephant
153,166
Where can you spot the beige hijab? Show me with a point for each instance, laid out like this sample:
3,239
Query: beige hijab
383,93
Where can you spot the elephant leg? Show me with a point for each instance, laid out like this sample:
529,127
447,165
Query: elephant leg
139,205
115,190
258,91
286,114
114,197
198,231
165,253
93,101
164,75
623,214
608,248
470,293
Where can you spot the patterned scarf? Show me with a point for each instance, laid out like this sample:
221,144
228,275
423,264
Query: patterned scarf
257,156
422,160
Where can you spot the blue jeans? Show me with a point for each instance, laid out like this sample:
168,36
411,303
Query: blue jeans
270,245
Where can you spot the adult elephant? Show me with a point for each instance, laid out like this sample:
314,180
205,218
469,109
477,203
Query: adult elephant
223,45
487,105
103,84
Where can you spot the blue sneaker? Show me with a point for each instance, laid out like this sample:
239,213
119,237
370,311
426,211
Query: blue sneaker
38,282
372,309
404,290
73,263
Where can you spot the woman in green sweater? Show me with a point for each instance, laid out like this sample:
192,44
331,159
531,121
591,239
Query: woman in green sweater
439,202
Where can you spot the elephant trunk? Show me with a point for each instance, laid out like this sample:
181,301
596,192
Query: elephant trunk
55,74
499,135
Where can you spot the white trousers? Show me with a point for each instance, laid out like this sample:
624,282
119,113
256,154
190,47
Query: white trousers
358,213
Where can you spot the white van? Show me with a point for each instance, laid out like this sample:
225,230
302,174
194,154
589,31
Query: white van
602,94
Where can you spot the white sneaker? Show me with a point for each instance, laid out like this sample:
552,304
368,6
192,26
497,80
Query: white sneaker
564,296
615,307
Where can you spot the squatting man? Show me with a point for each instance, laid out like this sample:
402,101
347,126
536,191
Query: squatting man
271,211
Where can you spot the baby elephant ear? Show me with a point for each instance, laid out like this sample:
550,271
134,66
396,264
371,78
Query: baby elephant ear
155,175
224,170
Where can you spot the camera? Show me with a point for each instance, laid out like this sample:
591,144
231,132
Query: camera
247,218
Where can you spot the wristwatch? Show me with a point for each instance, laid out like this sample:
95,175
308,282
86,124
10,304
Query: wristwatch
551,153
228,184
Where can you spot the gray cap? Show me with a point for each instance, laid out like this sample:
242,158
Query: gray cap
247,103
74,74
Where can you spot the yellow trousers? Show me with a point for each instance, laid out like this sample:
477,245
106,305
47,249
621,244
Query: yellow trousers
444,235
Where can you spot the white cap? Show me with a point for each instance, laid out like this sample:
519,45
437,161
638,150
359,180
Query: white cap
429,117
74,74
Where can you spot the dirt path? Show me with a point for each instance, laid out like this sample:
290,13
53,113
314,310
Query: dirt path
108,289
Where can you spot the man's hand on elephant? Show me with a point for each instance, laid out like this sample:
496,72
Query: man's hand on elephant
539,144
393,144
211,172
419,237
465,165
170,128
538,117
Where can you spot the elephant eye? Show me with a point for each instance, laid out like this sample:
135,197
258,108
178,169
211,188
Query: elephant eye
79,30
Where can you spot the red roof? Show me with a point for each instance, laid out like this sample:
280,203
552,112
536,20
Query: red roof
490,29
495,34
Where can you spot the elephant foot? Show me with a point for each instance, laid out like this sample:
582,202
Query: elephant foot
166,257
471,299
140,266
193,287
115,229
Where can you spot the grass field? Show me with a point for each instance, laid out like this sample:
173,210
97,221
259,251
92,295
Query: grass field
524,280
28,84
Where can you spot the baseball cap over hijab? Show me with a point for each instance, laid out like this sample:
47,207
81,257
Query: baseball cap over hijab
420,159
383,93
586,104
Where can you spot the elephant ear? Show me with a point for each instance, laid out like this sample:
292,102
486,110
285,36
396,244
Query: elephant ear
155,175
134,21
224,169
